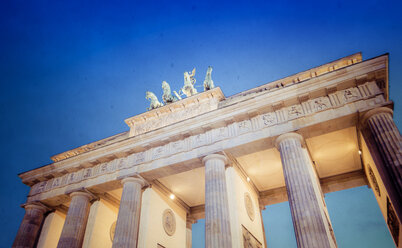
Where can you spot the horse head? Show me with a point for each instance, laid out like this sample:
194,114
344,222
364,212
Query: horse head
165,87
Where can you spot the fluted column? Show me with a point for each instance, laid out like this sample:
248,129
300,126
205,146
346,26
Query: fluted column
189,235
217,222
126,233
307,218
29,228
385,144
73,231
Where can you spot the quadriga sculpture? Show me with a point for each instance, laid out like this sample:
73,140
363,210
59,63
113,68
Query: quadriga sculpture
153,99
208,83
189,81
167,96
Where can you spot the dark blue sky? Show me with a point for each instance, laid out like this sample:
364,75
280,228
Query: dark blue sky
72,71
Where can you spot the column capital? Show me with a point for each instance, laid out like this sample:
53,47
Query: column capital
215,156
140,181
36,205
373,112
83,192
135,179
286,136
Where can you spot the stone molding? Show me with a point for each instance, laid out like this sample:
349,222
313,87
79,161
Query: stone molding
368,91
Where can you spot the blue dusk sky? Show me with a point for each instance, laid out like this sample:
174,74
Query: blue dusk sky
72,71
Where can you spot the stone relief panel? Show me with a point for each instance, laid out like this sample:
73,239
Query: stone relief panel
392,222
198,140
169,222
294,112
320,104
146,124
158,152
244,126
265,120
351,94
219,133
373,179
269,119
248,204
249,241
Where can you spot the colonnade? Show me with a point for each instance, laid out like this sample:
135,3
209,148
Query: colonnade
310,219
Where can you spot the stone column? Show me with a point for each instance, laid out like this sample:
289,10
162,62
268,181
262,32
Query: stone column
308,222
29,229
217,222
189,222
73,231
128,219
385,144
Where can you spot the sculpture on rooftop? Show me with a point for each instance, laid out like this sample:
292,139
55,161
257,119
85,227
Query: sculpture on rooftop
153,99
167,96
188,89
189,81
208,83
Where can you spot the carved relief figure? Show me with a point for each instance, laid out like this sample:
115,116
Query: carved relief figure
269,119
350,94
189,81
153,99
208,83
319,104
295,111
167,96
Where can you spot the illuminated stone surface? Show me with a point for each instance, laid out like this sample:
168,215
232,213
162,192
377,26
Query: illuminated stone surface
209,151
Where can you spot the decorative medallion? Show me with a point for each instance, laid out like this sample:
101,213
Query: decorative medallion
169,222
112,230
248,203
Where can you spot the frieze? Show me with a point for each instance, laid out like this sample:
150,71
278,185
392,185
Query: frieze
175,112
255,123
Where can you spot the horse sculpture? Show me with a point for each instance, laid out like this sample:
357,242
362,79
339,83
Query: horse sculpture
153,99
208,83
167,96
189,81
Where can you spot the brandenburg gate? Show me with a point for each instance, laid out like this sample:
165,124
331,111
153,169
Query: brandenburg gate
204,155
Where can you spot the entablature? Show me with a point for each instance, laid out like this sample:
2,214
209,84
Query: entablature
331,90
341,108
